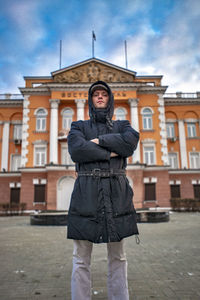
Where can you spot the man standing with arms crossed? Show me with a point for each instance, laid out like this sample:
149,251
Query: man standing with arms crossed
101,208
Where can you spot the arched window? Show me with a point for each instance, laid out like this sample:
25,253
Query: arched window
147,118
41,115
120,113
67,115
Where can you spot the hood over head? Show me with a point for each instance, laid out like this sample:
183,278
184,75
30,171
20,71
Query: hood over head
102,114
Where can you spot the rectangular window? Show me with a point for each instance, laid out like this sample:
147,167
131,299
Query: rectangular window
173,160
147,122
41,124
191,127
40,156
65,156
14,195
15,162
194,160
17,134
150,191
170,130
149,155
67,121
39,193
196,188
175,191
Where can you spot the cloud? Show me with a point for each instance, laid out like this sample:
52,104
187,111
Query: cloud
172,52
162,39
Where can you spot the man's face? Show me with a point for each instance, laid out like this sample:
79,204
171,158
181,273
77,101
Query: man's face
100,98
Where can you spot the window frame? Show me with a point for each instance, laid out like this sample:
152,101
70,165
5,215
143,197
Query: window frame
152,186
66,156
191,130
176,189
170,127
122,116
175,154
196,189
147,118
191,159
37,186
41,119
17,132
40,156
149,155
67,119
13,164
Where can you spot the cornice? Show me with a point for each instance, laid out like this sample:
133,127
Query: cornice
146,89
185,171
8,103
33,170
181,101
35,90
10,174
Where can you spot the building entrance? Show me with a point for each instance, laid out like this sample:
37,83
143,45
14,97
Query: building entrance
64,190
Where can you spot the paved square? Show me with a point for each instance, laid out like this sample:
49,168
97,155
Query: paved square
35,261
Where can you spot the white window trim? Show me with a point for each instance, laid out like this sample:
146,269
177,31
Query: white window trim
64,146
19,132
41,117
143,115
171,125
154,151
190,154
177,155
11,161
39,146
122,108
194,126
62,114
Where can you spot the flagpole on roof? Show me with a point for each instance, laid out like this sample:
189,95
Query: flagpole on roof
60,53
126,59
93,39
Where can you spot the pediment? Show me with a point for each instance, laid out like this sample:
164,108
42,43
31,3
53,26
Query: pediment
91,71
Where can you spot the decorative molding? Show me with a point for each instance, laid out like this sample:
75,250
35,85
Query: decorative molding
163,130
25,134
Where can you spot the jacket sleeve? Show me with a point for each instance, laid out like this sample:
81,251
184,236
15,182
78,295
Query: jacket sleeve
123,143
81,150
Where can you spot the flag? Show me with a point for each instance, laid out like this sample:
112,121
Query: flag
93,36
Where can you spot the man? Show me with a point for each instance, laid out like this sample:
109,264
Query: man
101,208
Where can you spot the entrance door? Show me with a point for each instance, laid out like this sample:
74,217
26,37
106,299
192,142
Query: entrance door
64,190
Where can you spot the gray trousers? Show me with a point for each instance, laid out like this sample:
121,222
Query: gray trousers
117,271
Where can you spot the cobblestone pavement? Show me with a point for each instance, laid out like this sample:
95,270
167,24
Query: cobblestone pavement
35,261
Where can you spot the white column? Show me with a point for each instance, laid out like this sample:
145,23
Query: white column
54,131
135,124
182,143
5,146
80,104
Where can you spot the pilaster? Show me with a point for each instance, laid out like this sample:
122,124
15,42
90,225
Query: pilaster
54,131
5,146
163,130
133,102
182,143
80,104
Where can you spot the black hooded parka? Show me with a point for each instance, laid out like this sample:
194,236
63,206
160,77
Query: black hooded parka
101,208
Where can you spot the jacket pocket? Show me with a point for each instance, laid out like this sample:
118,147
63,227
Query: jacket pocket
121,196
84,198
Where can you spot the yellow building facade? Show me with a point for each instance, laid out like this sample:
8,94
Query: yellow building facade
36,169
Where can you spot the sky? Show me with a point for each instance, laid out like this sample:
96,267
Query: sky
163,38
